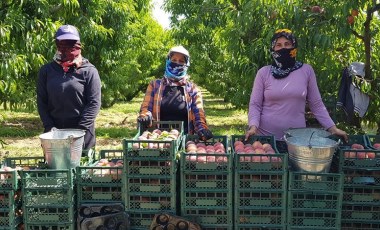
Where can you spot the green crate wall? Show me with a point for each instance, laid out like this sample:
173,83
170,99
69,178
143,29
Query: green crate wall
206,182
260,186
99,184
314,200
48,197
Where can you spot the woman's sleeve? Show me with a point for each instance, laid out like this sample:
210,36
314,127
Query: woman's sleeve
42,100
198,109
256,101
146,108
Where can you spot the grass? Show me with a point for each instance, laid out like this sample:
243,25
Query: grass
19,130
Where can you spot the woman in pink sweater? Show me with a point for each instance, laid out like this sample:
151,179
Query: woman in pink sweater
281,90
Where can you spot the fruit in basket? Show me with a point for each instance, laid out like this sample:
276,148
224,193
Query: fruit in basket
357,146
371,155
376,145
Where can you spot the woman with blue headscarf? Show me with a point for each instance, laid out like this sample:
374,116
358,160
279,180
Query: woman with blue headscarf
175,98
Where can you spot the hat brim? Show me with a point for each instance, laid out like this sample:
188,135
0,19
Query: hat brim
68,37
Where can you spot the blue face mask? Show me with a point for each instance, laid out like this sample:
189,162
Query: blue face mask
175,70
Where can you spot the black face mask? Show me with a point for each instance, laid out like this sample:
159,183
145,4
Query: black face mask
284,58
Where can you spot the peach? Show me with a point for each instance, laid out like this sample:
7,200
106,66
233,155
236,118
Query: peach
361,155
357,146
238,143
257,144
190,142
376,145
371,155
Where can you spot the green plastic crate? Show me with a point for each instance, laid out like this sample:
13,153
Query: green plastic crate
7,199
361,194
8,219
263,140
141,220
265,182
314,201
361,212
361,177
48,198
111,154
25,162
210,218
313,220
47,179
49,215
360,159
99,184
355,225
8,180
371,140
153,202
316,182
258,219
354,139
160,149
211,141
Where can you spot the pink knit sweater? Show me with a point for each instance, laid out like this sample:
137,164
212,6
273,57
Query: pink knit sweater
279,104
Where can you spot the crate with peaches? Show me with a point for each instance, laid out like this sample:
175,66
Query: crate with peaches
162,140
258,153
102,181
358,153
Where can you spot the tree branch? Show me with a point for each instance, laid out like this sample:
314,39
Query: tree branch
357,34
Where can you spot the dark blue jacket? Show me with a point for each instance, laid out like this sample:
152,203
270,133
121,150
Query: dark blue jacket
69,100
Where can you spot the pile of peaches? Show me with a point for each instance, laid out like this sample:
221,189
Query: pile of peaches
258,152
111,168
204,149
361,154
156,135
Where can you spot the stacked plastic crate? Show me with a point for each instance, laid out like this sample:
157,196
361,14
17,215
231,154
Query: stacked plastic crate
48,199
260,188
150,173
10,200
99,192
18,163
361,194
206,182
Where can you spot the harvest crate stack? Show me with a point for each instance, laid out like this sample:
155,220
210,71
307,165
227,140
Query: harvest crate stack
10,200
260,187
361,168
11,189
48,199
314,200
99,190
206,183
150,172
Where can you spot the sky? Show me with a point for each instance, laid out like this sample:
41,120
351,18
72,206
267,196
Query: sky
159,14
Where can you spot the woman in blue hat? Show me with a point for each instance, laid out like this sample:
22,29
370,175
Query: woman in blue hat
69,88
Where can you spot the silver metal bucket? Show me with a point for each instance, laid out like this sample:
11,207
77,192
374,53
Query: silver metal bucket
309,152
63,147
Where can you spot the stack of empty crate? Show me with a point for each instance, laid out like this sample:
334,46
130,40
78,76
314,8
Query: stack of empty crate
99,192
11,189
150,174
260,184
361,194
10,198
48,199
206,182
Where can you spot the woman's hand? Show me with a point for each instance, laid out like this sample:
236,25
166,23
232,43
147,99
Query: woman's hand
335,131
250,132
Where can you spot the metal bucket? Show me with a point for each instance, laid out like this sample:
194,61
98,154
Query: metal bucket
310,153
63,147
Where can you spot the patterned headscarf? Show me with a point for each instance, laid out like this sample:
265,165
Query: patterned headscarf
284,60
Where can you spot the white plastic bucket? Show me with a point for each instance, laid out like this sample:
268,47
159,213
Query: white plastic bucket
63,147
